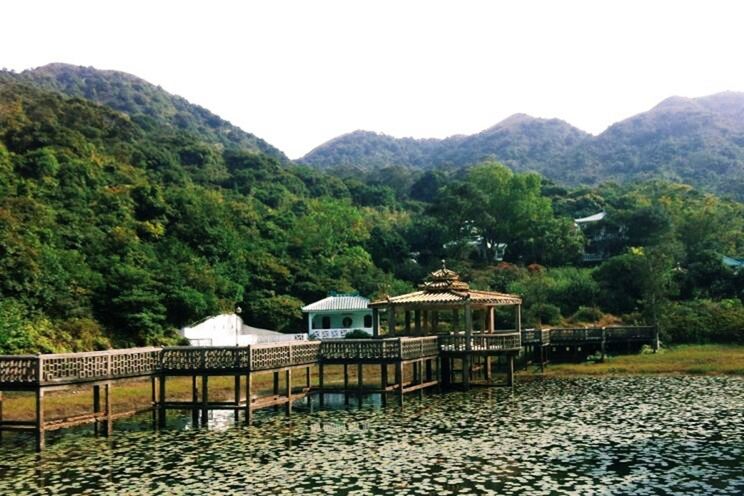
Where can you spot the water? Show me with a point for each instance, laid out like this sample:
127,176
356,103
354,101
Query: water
635,435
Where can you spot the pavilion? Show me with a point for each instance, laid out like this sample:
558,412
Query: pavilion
437,309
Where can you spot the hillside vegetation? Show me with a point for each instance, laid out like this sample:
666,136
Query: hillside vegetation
116,230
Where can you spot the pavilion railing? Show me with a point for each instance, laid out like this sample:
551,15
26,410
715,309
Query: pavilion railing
404,348
499,341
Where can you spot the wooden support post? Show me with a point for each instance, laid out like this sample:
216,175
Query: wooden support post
434,322
542,358
346,377
1,415
488,368
408,322
205,400
288,380
491,319
375,322
384,382
194,401
466,368
153,401
425,328
109,422
96,407
429,371
417,322
40,422
391,320
399,381
237,397
603,344
276,388
455,320
248,398
415,367
308,379
510,371
161,403
360,376
320,384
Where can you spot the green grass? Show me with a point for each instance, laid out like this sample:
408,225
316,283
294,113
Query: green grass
706,359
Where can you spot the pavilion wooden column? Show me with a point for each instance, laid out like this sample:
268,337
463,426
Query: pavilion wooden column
375,322
434,322
417,321
518,318
468,344
408,322
455,320
491,319
391,320
425,329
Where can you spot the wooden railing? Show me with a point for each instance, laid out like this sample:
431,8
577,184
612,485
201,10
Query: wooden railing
510,341
634,333
571,335
404,348
19,369
535,336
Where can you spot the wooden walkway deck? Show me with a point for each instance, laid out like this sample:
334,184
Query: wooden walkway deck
432,360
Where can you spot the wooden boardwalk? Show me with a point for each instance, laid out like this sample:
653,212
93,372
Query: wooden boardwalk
431,360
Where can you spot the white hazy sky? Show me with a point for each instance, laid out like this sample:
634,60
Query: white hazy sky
298,73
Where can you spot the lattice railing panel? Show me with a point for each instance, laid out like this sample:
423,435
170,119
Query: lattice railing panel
181,358
270,356
135,362
18,369
305,352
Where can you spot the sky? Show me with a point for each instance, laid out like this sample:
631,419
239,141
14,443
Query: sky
298,73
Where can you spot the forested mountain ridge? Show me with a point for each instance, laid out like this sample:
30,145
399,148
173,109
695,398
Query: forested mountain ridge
145,103
520,141
694,140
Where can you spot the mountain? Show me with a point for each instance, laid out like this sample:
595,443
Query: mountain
520,141
145,103
694,140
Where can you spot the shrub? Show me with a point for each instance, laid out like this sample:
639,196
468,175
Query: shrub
544,314
587,314
357,334
702,321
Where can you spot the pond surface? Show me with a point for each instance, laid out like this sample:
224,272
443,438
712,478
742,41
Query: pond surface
633,435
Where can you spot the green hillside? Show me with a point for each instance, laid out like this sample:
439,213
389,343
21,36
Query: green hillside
148,105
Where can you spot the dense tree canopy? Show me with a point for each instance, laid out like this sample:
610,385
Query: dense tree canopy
116,232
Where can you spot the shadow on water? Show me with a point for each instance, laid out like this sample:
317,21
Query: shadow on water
634,435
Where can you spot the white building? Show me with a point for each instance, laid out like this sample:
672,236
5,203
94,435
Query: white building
229,330
337,315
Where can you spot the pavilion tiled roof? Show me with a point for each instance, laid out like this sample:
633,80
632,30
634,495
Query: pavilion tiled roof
444,287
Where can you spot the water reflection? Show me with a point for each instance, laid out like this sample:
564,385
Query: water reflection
644,435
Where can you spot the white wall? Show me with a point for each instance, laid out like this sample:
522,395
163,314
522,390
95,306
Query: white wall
220,330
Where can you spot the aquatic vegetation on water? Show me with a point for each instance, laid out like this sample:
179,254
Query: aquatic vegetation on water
620,435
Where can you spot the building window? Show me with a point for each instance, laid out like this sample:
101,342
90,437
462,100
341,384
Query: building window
347,322
326,322
367,321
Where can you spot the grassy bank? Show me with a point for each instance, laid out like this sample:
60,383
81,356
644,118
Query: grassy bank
706,359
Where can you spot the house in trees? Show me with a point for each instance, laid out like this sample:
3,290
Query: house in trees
598,237
337,315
